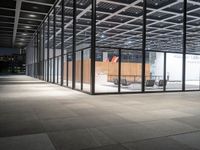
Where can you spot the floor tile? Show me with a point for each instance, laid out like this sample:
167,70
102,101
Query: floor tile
190,139
157,144
79,139
27,142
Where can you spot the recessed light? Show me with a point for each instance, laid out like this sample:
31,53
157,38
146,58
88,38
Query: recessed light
24,34
27,27
31,15
21,39
102,36
156,4
35,7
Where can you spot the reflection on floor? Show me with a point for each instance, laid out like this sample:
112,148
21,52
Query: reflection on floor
35,115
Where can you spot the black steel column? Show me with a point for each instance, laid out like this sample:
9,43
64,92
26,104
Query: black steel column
34,57
74,46
119,71
144,45
57,69
40,53
62,43
184,43
37,55
93,47
67,66
54,43
43,52
48,52
82,70
164,73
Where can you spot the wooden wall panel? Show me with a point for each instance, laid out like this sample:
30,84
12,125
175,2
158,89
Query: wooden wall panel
130,71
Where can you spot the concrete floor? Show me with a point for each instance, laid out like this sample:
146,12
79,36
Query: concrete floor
35,115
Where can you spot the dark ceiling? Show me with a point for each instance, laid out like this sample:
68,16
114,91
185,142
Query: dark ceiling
19,19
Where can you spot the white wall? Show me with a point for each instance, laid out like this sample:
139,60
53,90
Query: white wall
192,67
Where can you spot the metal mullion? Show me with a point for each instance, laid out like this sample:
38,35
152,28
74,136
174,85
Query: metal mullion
74,46
37,55
67,69
119,72
144,45
54,43
57,69
184,44
82,70
62,44
93,47
34,57
43,48
164,73
48,50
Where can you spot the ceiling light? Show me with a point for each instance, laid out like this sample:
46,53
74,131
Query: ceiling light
111,8
31,15
27,27
156,4
35,7
24,34
20,43
102,36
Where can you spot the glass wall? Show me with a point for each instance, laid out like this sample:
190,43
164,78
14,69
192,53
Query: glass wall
86,70
174,69
131,71
107,73
58,43
192,46
45,49
51,48
68,42
154,71
192,72
129,49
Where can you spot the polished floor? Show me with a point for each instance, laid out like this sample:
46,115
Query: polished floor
35,115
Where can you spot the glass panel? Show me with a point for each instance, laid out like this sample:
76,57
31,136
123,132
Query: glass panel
154,80
86,70
59,69
192,72
106,72
70,69
193,30
192,46
65,70
174,71
56,69
51,47
58,40
68,34
131,69
78,70
45,47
